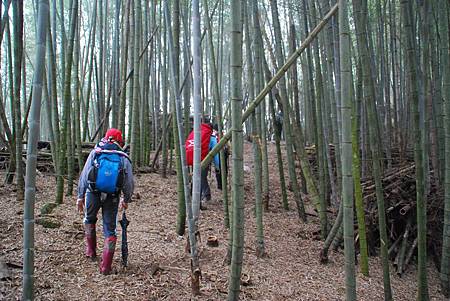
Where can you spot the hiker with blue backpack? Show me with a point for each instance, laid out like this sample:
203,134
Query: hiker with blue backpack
107,174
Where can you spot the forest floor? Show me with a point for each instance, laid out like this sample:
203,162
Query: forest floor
290,271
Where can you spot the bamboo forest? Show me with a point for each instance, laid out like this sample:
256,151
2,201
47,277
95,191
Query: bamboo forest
237,149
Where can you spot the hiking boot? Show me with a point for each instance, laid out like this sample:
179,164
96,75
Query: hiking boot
108,254
91,241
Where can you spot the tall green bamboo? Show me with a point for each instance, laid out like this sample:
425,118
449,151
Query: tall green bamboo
253,75
195,266
12,164
116,68
260,136
438,91
63,41
135,130
261,115
238,152
198,108
51,71
187,67
30,193
17,8
444,56
77,105
346,155
65,151
164,134
218,106
102,36
181,212
356,172
124,65
144,119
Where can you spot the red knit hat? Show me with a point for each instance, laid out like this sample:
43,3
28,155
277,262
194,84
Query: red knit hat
114,134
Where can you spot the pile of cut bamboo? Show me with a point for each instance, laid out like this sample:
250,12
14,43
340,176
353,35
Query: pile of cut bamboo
399,189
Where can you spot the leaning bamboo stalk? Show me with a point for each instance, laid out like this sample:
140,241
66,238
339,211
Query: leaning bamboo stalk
280,73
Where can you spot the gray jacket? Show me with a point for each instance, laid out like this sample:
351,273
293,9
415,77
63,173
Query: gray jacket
128,181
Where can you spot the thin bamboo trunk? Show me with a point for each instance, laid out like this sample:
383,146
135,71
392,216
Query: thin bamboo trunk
356,172
195,266
116,75
30,194
346,155
55,120
444,55
252,77
124,66
238,151
135,128
17,8
66,149
77,105
218,110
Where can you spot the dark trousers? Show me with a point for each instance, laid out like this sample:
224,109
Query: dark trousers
109,205
205,191
219,170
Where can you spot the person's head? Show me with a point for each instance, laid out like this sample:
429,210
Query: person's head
114,135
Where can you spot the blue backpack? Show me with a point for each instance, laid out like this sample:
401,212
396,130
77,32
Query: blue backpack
109,172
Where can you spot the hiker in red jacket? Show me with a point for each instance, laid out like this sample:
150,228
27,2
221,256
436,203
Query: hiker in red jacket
208,141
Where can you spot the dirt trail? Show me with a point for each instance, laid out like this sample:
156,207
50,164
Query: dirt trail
291,270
